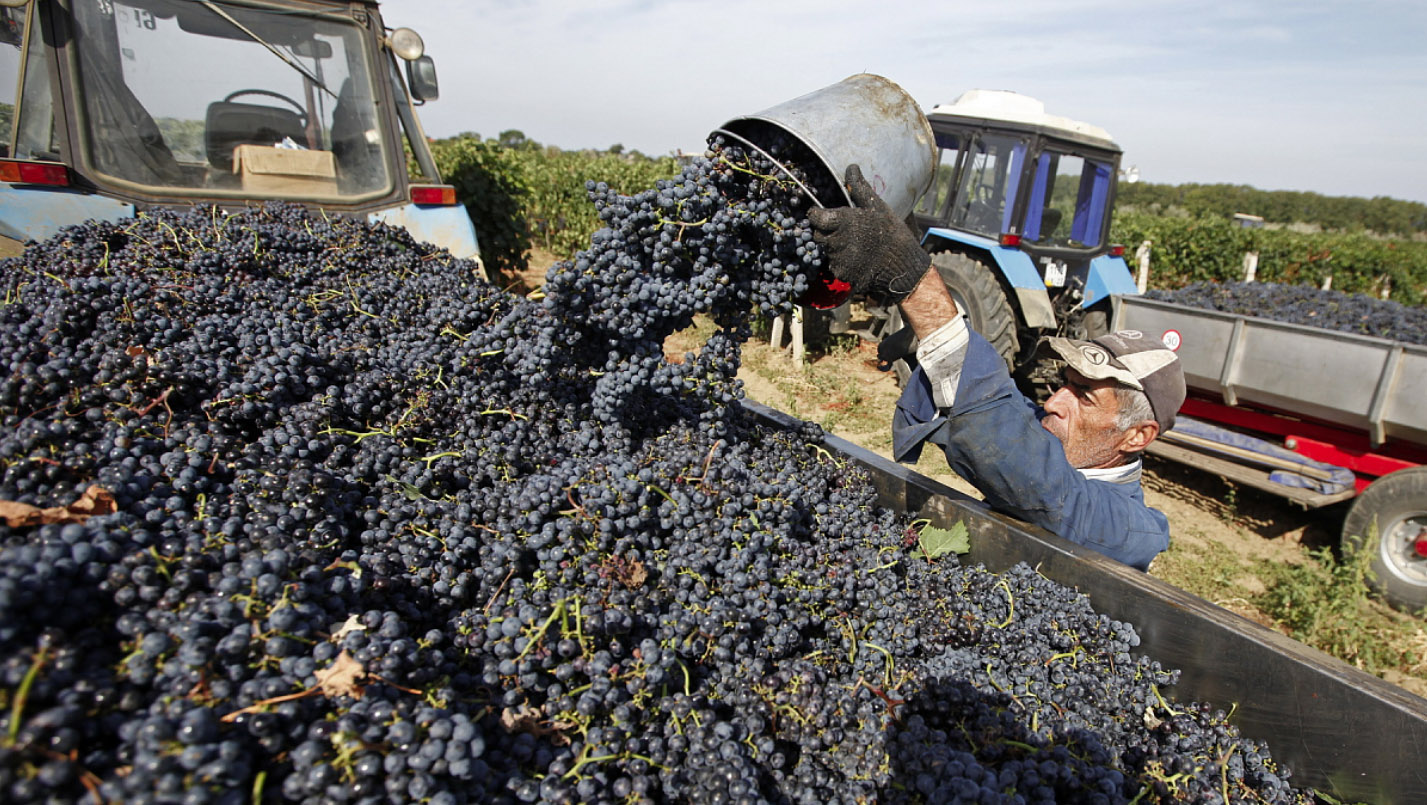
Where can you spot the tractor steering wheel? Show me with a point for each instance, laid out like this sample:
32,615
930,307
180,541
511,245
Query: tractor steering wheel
301,110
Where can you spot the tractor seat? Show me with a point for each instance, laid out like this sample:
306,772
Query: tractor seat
231,124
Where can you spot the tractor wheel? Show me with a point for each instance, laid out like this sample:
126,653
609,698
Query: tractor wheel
1387,528
1092,324
979,295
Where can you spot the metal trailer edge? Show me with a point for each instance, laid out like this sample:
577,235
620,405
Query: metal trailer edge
1338,729
1377,384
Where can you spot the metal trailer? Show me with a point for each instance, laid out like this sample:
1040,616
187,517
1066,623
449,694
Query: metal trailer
1343,399
1340,730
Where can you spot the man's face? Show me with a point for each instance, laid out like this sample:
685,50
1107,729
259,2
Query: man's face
1082,415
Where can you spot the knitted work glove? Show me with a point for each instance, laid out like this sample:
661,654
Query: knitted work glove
866,246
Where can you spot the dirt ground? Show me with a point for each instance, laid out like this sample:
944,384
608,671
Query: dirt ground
1218,529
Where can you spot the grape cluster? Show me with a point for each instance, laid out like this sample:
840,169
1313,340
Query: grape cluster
359,527
1306,305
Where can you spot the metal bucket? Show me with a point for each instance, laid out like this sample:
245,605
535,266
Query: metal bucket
864,119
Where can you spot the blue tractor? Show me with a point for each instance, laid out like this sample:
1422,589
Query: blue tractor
1018,224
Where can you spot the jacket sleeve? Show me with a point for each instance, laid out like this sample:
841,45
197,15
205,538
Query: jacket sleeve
993,438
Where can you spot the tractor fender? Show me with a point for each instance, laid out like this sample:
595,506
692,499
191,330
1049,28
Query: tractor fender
447,227
1015,267
1108,275
39,213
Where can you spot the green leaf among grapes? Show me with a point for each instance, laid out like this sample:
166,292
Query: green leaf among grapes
409,491
939,541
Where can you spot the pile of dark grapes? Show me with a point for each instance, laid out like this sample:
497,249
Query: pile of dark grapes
1306,305
385,533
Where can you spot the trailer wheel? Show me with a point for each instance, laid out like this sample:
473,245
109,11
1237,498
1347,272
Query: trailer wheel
979,295
1389,522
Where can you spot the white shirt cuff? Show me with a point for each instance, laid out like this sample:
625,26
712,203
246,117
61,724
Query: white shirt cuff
941,355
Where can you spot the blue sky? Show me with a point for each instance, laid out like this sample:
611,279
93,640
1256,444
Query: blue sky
1328,97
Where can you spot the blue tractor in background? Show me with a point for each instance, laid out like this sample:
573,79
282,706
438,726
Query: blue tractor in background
1017,221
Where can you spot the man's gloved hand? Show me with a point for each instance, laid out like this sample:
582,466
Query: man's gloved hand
867,246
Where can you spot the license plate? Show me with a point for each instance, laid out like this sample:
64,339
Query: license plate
1055,272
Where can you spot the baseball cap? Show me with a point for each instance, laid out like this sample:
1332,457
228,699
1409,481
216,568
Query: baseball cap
1131,358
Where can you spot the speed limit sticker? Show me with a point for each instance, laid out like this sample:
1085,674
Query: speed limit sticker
1172,340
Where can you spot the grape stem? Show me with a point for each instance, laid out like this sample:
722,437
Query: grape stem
585,759
559,612
1165,704
162,398
17,708
707,461
1010,604
496,594
259,706
1224,772
725,160
892,704
887,671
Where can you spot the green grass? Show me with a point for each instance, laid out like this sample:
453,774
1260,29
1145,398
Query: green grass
1325,604
1207,574
1322,602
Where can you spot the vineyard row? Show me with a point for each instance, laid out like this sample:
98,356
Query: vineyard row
529,195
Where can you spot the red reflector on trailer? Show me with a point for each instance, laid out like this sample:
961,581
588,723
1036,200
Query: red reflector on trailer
1010,239
1117,250
442,194
17,171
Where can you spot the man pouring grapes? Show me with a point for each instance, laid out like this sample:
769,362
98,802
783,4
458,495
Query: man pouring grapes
1071,466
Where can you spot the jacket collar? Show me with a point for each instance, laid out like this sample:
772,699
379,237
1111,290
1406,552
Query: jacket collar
1123,474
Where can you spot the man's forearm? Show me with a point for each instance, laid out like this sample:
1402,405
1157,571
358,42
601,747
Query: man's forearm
929,306
942,333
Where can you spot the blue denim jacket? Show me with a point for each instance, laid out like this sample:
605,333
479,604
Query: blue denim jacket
993,438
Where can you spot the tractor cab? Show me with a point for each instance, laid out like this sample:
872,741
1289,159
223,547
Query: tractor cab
1018,222
1016,174
140,103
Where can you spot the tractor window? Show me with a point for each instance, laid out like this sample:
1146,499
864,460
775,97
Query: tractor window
220,99
33,131
987,191
12,26
1069,199
933,202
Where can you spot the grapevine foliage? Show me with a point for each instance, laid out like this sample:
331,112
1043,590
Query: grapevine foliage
494,189
362,528
525,195
1188,250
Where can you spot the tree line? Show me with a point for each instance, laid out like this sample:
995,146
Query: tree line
1380,215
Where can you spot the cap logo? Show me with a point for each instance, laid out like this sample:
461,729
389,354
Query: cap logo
1095,355
1131,334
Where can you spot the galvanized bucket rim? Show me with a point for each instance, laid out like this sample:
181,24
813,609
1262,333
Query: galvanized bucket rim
874,83
807,191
